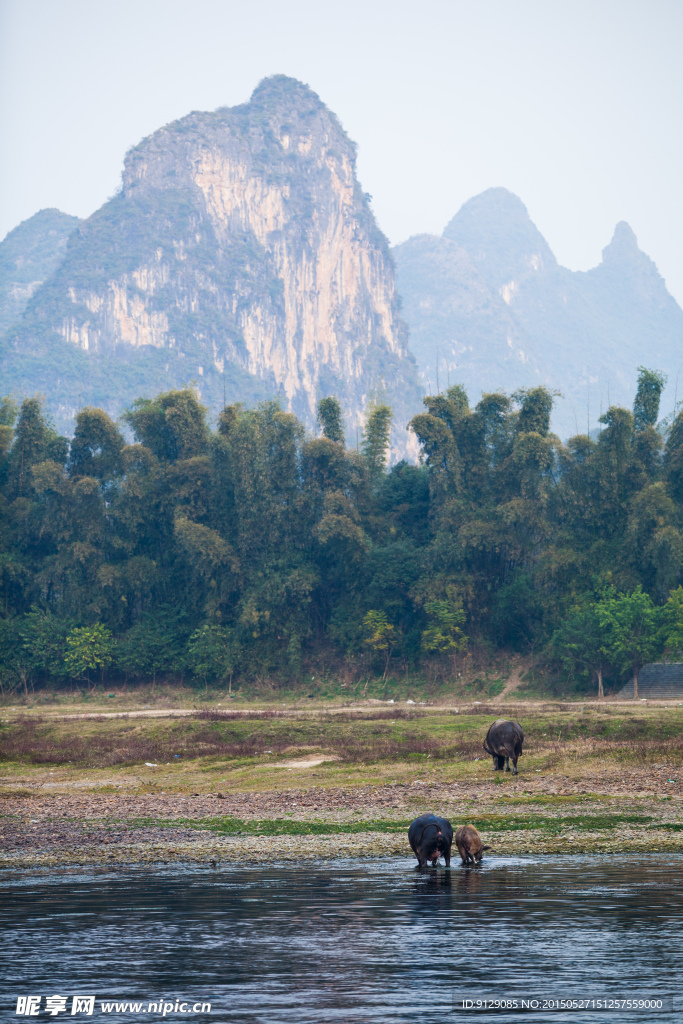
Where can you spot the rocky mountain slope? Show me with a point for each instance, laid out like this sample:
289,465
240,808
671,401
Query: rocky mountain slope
28,256
488,304
240,253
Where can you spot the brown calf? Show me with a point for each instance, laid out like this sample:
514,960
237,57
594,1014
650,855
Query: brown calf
470,846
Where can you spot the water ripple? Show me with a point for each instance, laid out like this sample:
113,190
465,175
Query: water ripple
347,941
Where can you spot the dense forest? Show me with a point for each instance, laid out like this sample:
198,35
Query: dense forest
161,548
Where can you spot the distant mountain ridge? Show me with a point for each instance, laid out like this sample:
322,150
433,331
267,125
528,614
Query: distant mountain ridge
28,256
240,253
488,303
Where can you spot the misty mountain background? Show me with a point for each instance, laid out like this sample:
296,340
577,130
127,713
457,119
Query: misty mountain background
486,303
489,307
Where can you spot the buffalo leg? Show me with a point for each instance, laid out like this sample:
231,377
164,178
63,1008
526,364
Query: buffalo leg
507,764
514,765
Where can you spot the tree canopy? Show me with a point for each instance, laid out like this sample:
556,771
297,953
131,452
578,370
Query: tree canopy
162,545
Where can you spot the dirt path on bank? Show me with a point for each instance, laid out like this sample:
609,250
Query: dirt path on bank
507,695
519,668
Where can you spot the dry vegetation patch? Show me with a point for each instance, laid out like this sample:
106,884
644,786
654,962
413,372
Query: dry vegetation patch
555,736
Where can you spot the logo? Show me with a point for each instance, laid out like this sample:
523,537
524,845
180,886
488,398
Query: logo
29,1006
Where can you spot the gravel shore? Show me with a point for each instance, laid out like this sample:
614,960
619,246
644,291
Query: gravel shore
76,826
150,845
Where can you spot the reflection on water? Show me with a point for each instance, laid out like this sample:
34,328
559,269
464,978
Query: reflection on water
347,941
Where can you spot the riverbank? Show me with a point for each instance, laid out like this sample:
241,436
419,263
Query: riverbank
322,783
39,830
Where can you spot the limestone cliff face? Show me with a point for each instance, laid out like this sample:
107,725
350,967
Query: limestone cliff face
241,243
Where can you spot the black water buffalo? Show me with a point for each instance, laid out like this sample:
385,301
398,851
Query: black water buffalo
504,742
470,846
429,838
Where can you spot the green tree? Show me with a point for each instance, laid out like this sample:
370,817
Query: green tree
214,653
443,634
15,670
518,613
485,442
673,459
581,643
671,625
172,425
651,383
612,460
631,629
653,539
531,461
43,639
152,646
88,648
380,635
96,446
437,430
34,441
376,439
330,419
647,440
536,405
211,563
8,414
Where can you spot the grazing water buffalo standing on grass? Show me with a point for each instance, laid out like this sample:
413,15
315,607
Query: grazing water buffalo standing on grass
470,846
430,837
504,741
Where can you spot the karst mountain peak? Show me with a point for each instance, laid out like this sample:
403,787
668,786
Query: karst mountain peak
488,305
495,229
241,253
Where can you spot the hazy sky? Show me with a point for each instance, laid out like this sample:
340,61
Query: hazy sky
573,105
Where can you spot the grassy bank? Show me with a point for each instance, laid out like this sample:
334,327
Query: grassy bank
324,779
216,739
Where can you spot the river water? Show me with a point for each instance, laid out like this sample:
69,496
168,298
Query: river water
346,941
